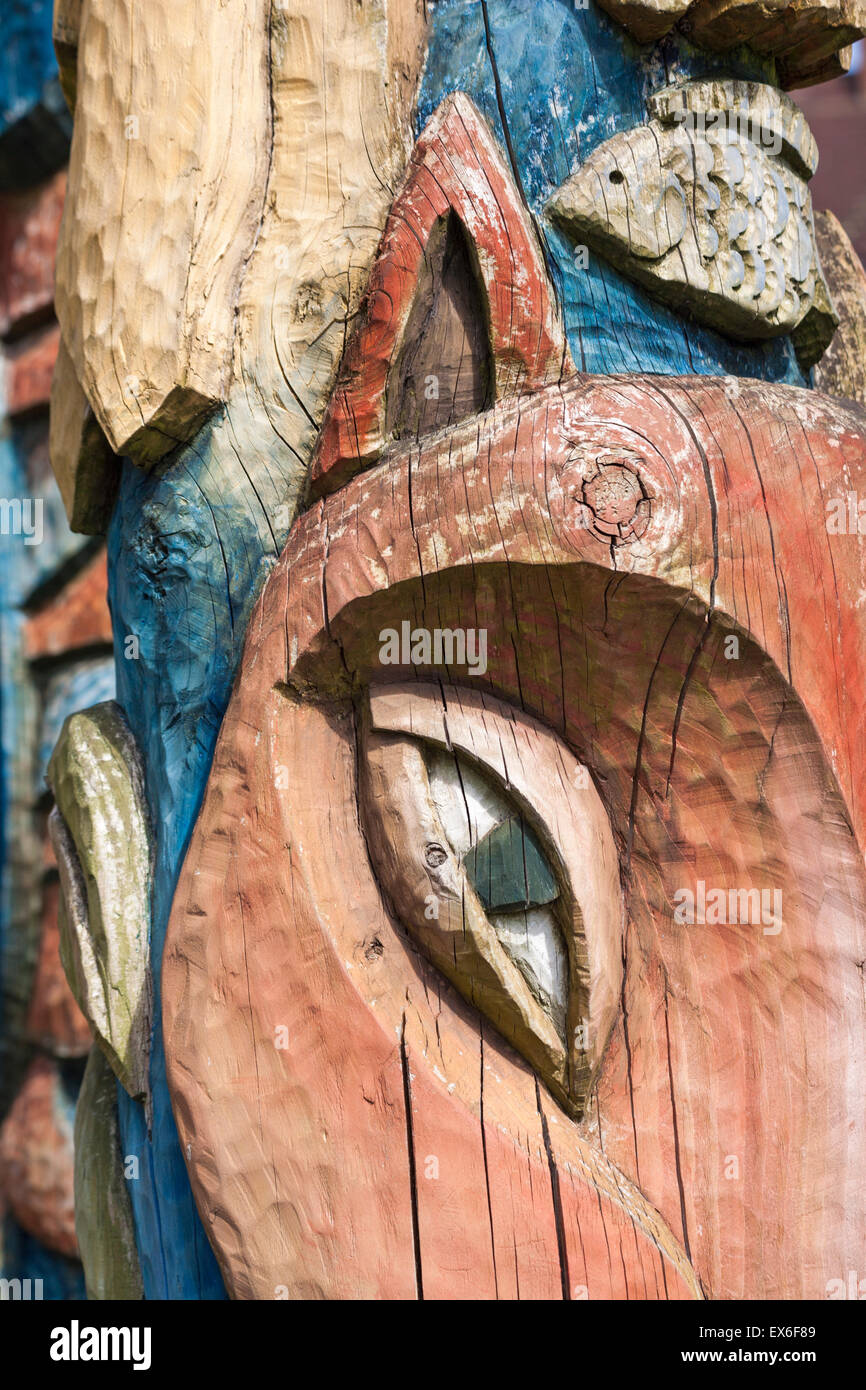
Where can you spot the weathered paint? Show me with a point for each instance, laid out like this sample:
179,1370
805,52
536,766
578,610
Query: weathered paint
569,79
190,550
748,767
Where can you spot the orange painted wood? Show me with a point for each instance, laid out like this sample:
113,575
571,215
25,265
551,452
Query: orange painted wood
29,225
29,369
732,1043
318,1133
76,617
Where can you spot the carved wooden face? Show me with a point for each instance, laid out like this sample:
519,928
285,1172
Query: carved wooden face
525,905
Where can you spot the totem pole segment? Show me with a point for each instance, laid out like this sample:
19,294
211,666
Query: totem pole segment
274,218
734,775
663,610
558,82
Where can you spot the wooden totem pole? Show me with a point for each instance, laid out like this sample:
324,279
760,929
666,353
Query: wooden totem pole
466,888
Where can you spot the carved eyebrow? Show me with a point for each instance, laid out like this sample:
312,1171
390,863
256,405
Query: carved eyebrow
492,845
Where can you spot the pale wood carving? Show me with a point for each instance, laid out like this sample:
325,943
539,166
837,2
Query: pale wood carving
261,253
101,834
151,377
810,41
554,788
708,206
842,369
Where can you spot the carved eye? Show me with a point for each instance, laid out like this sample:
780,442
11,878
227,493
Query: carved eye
510,872
494,850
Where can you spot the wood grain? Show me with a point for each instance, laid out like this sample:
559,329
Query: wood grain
536,767
148,268
810,40
456,168
842,369
740,772
385,1070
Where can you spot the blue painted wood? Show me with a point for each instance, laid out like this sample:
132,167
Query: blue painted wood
569,79
25,1258
188,555
35,124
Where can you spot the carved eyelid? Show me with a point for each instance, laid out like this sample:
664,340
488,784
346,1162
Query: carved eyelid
550,793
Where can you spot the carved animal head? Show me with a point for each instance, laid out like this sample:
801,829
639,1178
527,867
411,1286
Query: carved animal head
477,970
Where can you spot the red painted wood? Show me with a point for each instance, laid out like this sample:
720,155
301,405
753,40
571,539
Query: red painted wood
29,369
76,617
456,166
29,225
310,1186
731,1042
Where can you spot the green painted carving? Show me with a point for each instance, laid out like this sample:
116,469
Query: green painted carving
103,1211
508,868
102,840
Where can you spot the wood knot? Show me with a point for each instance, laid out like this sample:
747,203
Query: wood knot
617,501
